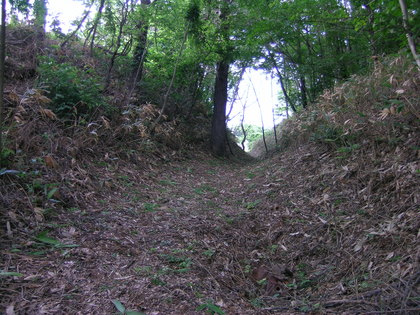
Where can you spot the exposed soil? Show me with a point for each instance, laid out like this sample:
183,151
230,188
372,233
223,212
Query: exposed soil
295,233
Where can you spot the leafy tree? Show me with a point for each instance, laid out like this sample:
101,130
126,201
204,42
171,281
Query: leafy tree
184,54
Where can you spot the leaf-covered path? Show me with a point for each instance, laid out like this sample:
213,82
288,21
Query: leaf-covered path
168,242
283,236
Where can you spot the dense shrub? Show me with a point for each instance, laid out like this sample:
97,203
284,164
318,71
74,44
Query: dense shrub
74,92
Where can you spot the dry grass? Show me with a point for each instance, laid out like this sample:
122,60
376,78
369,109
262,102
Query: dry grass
382,104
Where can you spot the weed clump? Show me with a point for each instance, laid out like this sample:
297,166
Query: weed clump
73,92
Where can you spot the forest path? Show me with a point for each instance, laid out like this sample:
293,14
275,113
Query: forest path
281,236
171,240
181,239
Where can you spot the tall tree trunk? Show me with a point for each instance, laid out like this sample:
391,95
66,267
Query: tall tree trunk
302,85
140,50
124,15
218,126
40,12
283,88
274,124
408,32
199,82
370,28
273,109
95,25
235,91
261,117
166,96
2,58
242,126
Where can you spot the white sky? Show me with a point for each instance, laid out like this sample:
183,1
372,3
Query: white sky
67,11
266,88
256,87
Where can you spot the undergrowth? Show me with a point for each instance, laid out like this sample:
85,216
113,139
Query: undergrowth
73,92
383,104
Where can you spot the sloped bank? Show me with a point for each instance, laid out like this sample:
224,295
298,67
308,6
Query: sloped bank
344,197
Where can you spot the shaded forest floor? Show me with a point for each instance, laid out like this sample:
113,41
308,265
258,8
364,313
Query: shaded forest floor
299,232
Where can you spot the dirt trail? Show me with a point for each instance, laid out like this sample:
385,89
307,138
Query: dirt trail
280,236
162,244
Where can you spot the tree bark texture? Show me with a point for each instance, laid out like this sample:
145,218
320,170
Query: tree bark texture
2,58
141,47
302,85
283,89
124,16
218,126
95,25
411,42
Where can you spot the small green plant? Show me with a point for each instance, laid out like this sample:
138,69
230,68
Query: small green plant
258,303
247,269
209,253
250,175
47,190
5,156
346,151
155,280
210,308
126,180
273,248
180,264
45,239
262,282
43,244
101,163
395,259
361,281
143,270
10,274
73,92
122,310
326,133
167,182
303,281
229,220
204,188
307,307
150,207
252,204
